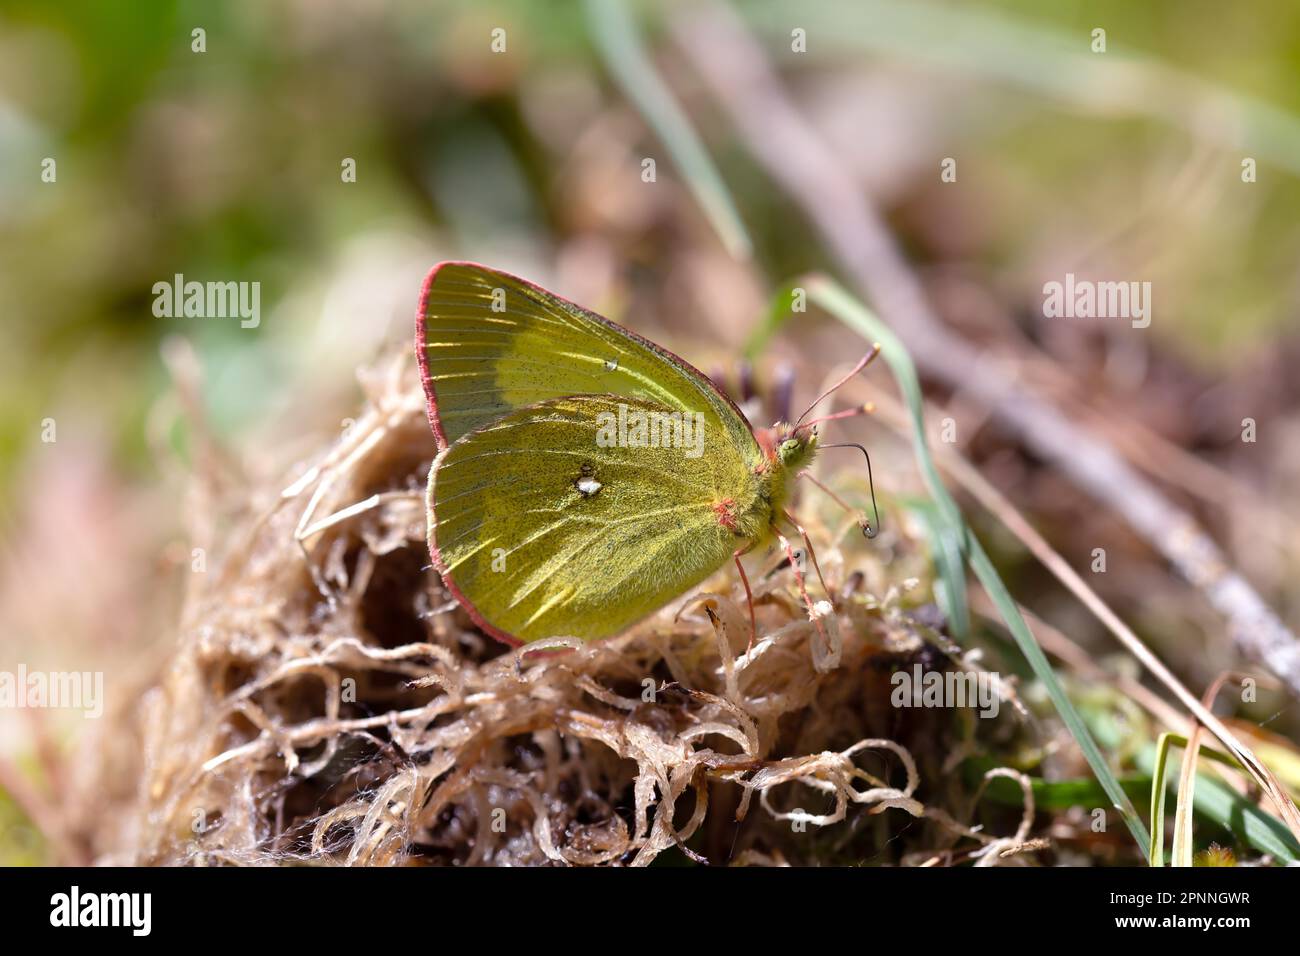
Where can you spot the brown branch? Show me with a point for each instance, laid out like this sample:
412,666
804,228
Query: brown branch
798,158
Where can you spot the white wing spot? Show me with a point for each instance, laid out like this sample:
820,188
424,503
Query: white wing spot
588,486
611,364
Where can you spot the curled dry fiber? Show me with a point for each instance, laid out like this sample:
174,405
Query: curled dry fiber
336,706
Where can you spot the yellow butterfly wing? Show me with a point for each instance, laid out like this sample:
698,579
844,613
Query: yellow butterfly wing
542,527
489,343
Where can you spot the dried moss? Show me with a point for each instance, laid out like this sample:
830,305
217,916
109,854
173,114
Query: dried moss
328,702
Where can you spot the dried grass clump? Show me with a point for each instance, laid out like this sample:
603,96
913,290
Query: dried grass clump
329,703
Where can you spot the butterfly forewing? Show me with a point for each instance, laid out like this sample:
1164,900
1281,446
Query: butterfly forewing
556,520
490,343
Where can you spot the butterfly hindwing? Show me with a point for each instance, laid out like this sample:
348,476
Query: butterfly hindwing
558,520
490,343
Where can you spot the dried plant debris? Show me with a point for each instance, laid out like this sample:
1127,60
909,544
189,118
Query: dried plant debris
330,703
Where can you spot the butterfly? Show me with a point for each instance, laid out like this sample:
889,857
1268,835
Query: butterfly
585,476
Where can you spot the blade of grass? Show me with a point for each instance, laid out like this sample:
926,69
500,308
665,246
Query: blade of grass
1158,772
945,549
620,48
843,306
1057,795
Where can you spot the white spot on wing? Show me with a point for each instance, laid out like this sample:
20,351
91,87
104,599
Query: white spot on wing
588,486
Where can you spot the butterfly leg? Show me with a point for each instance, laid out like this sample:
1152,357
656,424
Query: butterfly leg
749,594
807,543
803,587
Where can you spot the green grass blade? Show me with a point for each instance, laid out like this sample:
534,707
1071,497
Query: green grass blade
945,548
841,304
1054,795
620,48
1158,775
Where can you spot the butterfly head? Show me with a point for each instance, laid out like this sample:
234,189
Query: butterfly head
795,446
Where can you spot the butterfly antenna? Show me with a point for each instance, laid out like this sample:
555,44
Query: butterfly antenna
868,529
862,363
866,409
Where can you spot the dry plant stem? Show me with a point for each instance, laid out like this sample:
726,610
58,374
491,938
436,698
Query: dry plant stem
794,154
1180,851
970,479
